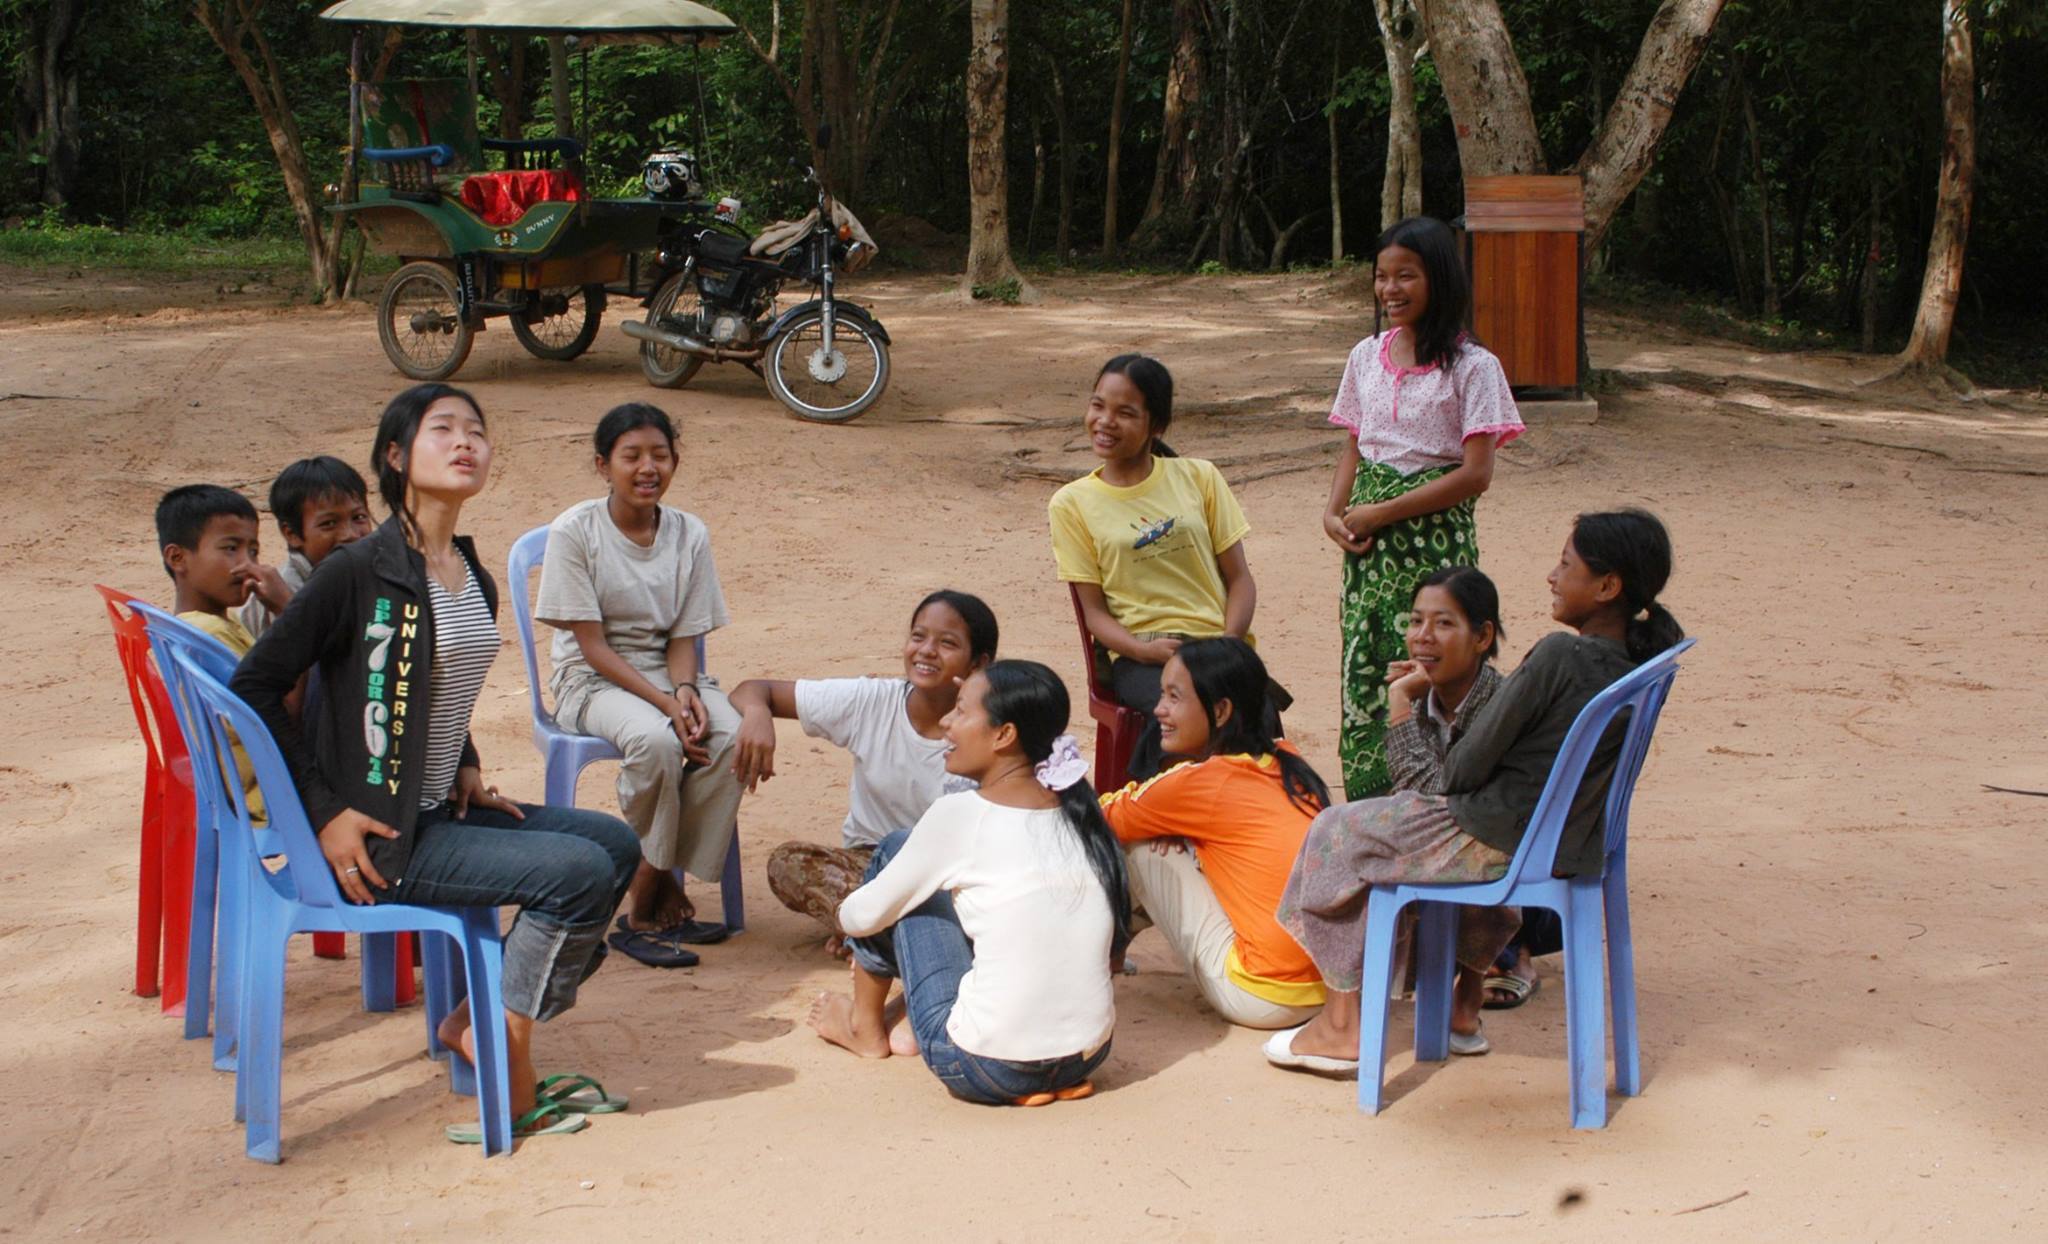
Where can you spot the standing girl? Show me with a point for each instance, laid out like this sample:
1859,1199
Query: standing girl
401,625
1152,542
631,586
1426,407
999,912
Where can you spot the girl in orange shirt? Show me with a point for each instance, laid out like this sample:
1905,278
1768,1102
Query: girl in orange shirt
1244,806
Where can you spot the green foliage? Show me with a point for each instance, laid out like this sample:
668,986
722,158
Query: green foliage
1211,267
1008,291
48,240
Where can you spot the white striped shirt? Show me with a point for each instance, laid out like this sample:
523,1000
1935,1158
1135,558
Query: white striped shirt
465,643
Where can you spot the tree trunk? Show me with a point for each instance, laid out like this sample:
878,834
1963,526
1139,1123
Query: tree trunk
558,85
988,182
1763,203
1175,168
233,26
1401,37
1942,279
833,86
1037,181
1116,139
1483,83
508,84
1336,181
1063,231
1872,257
1627,141
47,121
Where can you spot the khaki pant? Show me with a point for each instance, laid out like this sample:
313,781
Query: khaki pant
1177,896
684,821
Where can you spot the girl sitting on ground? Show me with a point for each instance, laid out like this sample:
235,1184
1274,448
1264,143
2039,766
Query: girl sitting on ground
1244,806
1425,407
1605,589
630,585
1152,542
1000,911
401,625
894,727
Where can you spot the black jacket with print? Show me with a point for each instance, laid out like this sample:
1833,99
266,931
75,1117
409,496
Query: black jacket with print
364,622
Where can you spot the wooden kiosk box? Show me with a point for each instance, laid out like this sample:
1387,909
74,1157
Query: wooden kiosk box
1522,247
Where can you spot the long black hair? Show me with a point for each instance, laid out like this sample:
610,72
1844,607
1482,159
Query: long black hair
1155,383
626,417
1229,669
399,425
1450,290
1633,546
1478,599
982,632
1032,698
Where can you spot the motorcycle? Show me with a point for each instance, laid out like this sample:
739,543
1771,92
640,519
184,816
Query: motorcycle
714,301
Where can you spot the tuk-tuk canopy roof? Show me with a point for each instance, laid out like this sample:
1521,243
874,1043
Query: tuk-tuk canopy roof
593,21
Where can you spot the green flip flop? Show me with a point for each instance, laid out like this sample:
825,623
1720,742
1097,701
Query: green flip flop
572,1094
523,1127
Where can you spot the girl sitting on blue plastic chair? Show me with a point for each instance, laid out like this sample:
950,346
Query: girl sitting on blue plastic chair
401,625
1605,588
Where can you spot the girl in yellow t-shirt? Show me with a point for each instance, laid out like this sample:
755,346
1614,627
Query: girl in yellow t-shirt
1152,542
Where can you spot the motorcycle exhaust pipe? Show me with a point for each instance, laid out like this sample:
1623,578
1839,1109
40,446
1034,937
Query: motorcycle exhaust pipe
643,331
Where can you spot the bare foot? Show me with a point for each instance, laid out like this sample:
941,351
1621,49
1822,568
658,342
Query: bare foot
833,1018
836,946
454,1032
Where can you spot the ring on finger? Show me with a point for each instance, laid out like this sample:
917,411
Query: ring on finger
351,870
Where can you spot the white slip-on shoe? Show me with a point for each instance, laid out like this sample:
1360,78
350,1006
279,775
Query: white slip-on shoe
1280,1052
1470,1046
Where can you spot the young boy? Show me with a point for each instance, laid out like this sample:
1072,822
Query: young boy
320,504
208,538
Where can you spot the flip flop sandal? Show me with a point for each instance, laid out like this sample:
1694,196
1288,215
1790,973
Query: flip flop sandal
652,949
1280,1052
524,1126
696,933
1472,1045
1518,989
572,1094
1073,1092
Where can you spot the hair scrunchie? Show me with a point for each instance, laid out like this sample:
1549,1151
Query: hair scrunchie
1063,767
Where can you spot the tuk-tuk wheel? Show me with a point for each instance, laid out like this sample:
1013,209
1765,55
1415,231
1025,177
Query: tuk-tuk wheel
565,323
423,335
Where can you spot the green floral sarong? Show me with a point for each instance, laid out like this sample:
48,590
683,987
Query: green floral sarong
1379,587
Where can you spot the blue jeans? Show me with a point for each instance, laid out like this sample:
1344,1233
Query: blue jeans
930,952
564,868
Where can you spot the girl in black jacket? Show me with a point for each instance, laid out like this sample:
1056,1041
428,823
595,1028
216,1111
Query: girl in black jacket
401,627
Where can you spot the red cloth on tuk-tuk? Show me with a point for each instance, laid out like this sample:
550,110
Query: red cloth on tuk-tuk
503,197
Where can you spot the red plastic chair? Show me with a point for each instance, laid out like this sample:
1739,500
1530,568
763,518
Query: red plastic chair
1116,727
164,897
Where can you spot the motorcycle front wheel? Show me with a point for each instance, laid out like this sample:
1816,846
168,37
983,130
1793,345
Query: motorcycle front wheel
676,299
828,388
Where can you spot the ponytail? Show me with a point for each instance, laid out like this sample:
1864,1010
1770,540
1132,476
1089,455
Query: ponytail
1228,668
1632,545
1029,696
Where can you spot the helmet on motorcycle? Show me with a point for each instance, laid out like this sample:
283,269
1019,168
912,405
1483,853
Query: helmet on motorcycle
672,175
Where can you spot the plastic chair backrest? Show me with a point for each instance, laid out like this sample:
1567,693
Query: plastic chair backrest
305,877
170,638
529,553
1091,654
422,112
146,691
1640,693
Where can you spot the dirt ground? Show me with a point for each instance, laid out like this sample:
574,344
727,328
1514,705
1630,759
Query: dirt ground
1836,920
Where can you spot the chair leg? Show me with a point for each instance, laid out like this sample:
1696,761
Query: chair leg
1585,1013
1436,936
558,781
1621,982
330,946
1376,978
484,958
407,984
149,890
732,886
380,982
199,952
177,895
261,1058
435,951
453,970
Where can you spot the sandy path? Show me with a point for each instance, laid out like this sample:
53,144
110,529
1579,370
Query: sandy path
1838,929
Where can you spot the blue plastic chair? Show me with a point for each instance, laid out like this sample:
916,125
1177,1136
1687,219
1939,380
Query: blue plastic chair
301,897
565,755
214,889
1583,903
